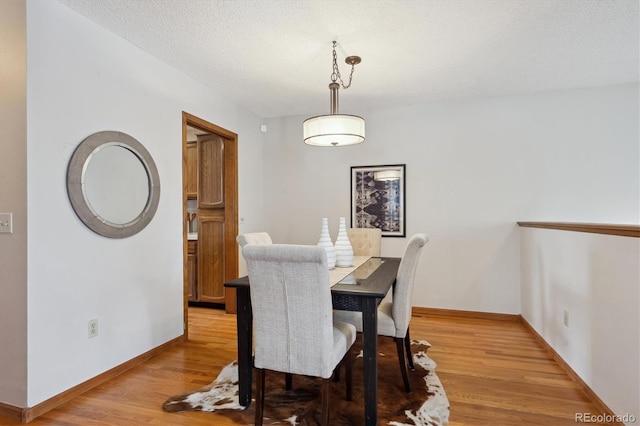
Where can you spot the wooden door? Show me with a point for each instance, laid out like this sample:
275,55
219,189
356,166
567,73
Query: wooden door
192,170
192,271
211,223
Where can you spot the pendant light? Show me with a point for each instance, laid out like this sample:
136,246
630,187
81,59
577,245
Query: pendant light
335,129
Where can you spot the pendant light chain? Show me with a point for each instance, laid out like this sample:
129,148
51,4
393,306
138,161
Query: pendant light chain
336,72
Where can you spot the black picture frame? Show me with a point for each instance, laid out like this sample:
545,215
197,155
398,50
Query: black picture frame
378,198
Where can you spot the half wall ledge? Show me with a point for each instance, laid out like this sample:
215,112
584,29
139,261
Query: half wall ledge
594,228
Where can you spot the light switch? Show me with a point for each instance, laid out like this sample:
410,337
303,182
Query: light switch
6,223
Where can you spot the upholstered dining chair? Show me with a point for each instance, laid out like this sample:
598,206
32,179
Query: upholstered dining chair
294,330
394,316
253,238
365,241
262,238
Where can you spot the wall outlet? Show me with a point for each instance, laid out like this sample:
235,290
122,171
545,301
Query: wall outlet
93,328
566,318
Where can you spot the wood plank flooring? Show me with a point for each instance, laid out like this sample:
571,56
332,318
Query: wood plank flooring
494,373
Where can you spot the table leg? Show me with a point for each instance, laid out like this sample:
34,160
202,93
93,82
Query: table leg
370,352
244,319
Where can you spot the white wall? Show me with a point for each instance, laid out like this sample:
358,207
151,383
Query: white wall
82,79
596,279
13,199
474,168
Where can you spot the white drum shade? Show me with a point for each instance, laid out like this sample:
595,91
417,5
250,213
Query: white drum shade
333,130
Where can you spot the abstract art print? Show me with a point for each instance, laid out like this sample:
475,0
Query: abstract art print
378,198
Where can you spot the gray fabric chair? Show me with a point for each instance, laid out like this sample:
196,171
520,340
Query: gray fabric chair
262,238
253,238
294,331
394,316
365,241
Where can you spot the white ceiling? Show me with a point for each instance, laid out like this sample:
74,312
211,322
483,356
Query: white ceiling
273,57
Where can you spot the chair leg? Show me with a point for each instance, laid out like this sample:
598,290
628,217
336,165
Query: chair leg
403,365
324,396
259,396
407,345
288,381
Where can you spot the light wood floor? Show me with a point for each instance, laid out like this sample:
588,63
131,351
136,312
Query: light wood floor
494,373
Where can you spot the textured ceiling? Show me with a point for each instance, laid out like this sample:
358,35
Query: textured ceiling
273,57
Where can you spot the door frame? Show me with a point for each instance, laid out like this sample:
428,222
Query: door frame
230,211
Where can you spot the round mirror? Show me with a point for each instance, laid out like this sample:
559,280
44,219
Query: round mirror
113,184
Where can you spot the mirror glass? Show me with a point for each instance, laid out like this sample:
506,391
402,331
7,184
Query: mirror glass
113,184
116,184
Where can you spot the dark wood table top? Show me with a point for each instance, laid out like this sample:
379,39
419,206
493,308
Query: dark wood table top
371,279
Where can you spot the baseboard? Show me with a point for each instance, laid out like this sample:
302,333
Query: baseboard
589,393
12,412
25,415
419,311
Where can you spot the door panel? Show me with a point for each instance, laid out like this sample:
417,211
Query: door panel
192,170
211,257
210,171
192,271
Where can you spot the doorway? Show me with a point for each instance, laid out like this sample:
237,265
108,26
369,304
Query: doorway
210,213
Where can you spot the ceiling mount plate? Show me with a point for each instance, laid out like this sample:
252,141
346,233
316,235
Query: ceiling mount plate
353,60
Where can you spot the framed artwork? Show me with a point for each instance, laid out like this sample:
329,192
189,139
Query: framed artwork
378,198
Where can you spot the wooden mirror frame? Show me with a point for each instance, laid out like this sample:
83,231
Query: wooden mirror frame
76,181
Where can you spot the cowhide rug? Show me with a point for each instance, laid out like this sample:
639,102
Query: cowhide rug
427,404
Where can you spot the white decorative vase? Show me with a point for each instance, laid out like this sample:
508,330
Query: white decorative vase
325,242
344,251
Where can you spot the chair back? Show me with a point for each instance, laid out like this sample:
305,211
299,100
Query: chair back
292,311
365,241
253,238
403,289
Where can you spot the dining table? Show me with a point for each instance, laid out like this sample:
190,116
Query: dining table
360,287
